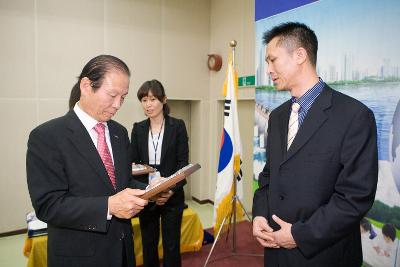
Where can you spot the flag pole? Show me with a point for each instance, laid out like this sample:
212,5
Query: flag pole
235,199
233,44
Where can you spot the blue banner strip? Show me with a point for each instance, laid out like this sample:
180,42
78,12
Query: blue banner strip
267,8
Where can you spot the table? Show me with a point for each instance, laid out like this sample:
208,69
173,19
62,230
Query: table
35,249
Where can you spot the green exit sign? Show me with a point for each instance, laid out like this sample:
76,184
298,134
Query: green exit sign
245,81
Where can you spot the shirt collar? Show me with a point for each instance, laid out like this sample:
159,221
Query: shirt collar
306,100
88,121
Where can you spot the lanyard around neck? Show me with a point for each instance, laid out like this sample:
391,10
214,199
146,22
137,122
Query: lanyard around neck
155,146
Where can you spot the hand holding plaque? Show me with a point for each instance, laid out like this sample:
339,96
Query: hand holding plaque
139,169
161,198
164,184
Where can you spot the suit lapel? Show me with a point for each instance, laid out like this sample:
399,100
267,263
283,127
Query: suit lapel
145,134
167,137
314,119
80,138
117,152
283,121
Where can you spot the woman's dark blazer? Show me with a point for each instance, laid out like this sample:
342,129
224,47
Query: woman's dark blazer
174,152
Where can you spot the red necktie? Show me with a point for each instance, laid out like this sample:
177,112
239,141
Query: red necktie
104,152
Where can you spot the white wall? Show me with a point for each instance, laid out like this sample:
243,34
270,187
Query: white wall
45,43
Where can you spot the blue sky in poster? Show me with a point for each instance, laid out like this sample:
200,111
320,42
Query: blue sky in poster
357,39
366,32
267,8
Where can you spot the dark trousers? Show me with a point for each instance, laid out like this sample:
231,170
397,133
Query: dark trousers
171,220
128,258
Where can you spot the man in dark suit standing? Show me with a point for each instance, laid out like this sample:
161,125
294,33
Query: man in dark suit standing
322,168
78,171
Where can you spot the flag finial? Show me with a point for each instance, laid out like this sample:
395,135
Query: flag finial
233,43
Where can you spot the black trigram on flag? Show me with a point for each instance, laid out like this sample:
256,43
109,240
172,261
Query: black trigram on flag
227,107
239,177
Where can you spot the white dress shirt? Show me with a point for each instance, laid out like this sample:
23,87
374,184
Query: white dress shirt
89,124
155,142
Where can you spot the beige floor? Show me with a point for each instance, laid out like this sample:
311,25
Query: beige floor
11,246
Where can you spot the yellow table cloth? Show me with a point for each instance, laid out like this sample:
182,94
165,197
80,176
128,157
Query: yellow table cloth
35,249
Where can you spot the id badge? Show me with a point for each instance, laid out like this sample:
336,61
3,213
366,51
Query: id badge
154,175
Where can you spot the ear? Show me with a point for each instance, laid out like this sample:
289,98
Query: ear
301,55
85,86
165,100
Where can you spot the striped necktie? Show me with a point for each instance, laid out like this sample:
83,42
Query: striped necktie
104,152
293,124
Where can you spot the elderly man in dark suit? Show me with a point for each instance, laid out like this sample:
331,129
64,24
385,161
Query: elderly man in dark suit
78,171
321,172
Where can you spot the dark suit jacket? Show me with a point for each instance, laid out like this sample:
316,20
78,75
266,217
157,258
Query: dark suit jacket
174,152
69,189
324,184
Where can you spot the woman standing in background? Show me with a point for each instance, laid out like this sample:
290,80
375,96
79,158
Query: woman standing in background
160,141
